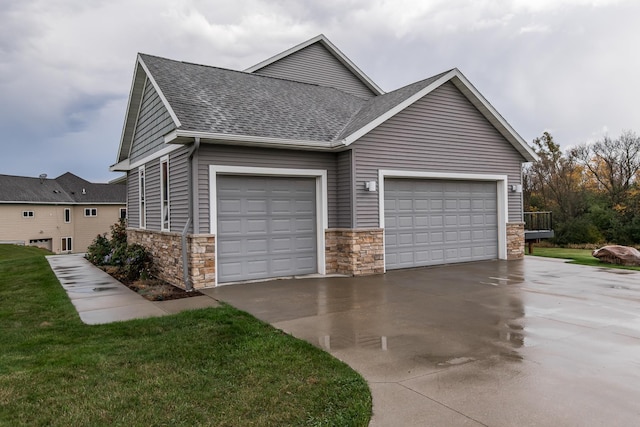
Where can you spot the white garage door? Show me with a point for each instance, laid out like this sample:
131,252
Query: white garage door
429,222
266,227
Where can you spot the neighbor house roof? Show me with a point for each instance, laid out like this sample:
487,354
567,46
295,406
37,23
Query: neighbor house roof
218,104
65,189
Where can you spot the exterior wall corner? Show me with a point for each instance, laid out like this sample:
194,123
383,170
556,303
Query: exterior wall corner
515,240
355,252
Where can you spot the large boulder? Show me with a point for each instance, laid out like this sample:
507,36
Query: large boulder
615,254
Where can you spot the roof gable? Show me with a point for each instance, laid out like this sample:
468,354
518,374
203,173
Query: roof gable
65,189
318,61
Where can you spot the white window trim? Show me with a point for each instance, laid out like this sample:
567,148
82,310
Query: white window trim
65,215
322,211
142,210
90,212
27,216
69,246
164,159
125,213
501,191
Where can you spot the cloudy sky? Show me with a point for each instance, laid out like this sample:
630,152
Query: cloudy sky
567,66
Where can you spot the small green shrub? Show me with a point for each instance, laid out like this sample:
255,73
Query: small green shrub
98,252
137,262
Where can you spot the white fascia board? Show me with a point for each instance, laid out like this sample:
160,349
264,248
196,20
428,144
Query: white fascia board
160,94
4,202
258,141
126,115
333,49
126,165
491,114
398,108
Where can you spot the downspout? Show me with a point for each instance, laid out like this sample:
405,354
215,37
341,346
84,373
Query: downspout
185,255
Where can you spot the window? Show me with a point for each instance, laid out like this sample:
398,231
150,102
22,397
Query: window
90,212
66,244
123,213
141,197
67,215
27,214
164,191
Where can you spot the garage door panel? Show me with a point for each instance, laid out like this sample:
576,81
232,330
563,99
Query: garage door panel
266,227
449,221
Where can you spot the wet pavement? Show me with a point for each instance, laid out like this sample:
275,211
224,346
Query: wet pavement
498,343
99,298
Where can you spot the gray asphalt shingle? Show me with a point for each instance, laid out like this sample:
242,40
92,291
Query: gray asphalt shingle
65,189
217,100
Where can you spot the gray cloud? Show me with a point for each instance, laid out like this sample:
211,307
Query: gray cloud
66,65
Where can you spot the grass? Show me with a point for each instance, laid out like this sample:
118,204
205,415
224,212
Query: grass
577,256
217,366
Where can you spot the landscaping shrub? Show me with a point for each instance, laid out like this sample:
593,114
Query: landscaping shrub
132,261
99,250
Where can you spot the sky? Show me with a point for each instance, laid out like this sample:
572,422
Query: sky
569,67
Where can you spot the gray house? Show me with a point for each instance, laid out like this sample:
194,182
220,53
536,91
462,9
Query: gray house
303,165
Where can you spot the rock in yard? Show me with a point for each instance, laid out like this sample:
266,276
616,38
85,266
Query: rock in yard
615,254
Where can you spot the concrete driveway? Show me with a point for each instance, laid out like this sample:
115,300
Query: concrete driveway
519,343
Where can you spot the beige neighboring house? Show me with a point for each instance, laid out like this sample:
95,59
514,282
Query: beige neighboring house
63,215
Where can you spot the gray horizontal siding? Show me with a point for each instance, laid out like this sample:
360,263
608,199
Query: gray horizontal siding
442,132
343,190
152,184
154,122
315,64
133,208
179,189
227,155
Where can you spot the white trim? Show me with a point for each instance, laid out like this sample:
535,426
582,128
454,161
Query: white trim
160,94
125,165
120,213
65,215
472,94
135,123
164,159
322,211
22,202
142,212
126,115
250,140
501,193
69,242
333,50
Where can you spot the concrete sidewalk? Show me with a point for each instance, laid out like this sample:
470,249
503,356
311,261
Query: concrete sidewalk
99,298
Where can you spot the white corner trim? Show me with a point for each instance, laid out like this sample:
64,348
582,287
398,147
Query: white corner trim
501,192
322,211
160,94
398,108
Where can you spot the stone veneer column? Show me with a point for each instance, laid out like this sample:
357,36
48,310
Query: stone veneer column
166,250
354,251
515,240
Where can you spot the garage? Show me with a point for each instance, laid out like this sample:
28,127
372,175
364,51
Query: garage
431,222
266,227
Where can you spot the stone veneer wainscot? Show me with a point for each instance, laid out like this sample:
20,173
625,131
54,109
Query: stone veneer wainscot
355,252
515,240
166,250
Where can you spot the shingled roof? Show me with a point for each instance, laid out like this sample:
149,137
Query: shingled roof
65,189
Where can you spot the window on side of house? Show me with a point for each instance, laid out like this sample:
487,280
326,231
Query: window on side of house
90,212
66,244
28,214
164,191
123,213
142,197
67,215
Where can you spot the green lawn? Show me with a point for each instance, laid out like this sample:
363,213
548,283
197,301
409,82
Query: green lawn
207,367
577,256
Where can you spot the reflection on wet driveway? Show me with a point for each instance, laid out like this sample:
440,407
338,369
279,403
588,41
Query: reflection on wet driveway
533,342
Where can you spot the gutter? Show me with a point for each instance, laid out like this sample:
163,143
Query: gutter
185,256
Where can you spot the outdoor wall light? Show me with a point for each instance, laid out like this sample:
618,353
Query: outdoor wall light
371,185
515,188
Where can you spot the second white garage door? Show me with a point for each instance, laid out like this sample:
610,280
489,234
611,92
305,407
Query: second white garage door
266,227
430,222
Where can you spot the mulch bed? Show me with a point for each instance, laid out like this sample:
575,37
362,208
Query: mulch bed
152,289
